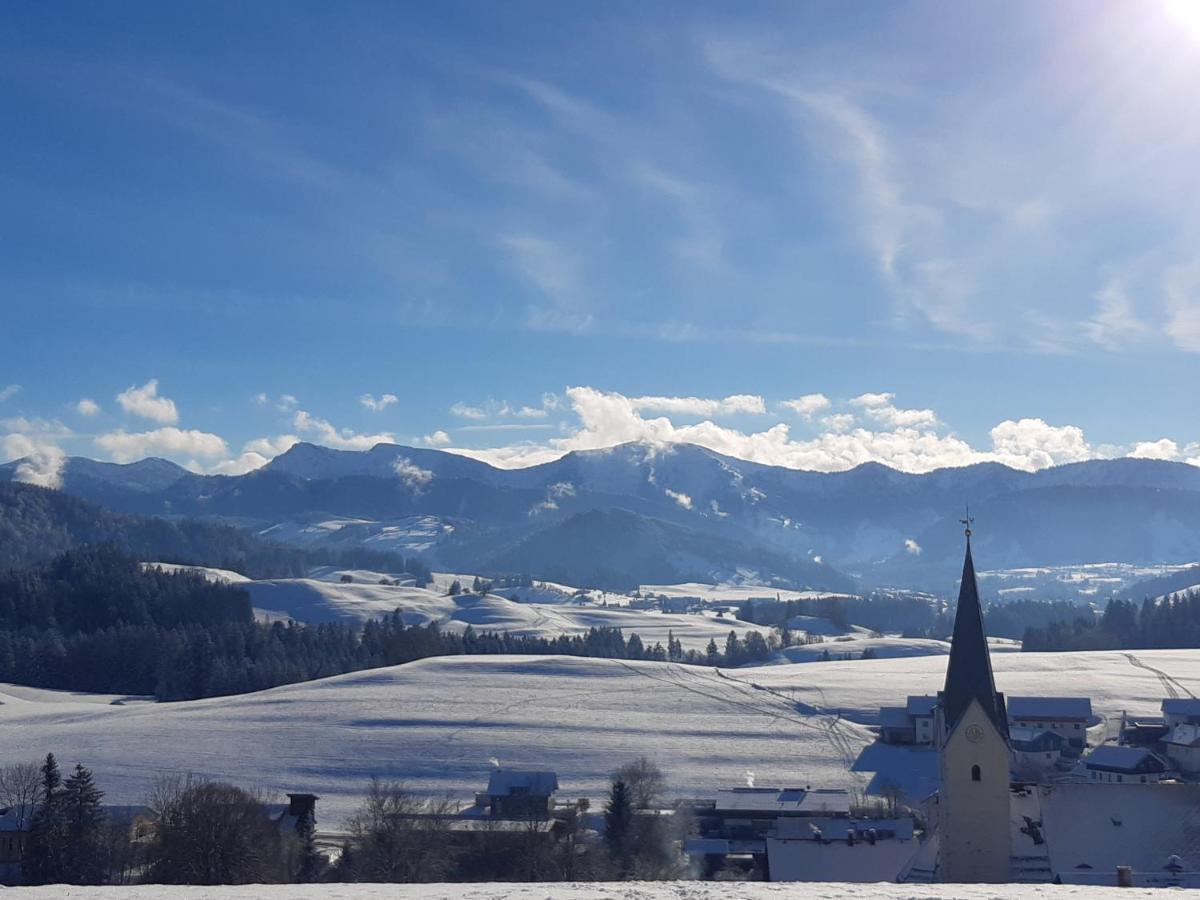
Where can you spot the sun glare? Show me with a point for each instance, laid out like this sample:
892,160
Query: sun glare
1186,13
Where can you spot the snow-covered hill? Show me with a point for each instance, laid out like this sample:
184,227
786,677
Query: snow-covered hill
435,723
325,598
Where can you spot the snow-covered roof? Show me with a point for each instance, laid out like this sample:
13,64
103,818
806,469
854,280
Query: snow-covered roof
1035,739
784,801
1181,706
1123,759
504,782
1097,827
894,717
1058,708
920,705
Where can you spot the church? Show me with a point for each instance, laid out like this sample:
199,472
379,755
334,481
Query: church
988,828
974,842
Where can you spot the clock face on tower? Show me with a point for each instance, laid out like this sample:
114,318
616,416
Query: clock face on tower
974,734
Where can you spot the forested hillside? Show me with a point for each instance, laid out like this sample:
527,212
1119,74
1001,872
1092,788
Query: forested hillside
37,525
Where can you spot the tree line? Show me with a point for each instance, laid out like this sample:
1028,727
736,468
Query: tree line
1163,623
198,831
38,524
96,620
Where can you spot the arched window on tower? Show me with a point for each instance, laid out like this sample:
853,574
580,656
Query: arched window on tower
976,774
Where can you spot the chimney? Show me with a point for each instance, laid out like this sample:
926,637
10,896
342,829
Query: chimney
301,805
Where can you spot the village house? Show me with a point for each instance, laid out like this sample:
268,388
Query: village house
1035,751
1068,717
908,724
1181,711
796,834
14,830
1123,765
1182,746
513,794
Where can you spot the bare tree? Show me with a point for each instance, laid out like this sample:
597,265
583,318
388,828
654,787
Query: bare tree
212,833
644,780
21,791
398,837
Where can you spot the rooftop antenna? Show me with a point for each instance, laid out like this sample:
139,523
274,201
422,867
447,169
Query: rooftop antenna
968,521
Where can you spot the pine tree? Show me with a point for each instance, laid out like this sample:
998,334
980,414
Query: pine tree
83,819
42,862
712,654
618,826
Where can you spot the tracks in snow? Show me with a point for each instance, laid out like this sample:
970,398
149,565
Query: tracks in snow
1171,685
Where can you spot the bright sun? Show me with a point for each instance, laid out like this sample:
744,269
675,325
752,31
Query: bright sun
1186,13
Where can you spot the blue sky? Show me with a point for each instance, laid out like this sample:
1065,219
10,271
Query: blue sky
611,216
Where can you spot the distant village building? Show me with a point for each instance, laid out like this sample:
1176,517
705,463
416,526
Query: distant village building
1182,746
1069,717
1035,751
1120,765
513,794
908,724
1181,711
796,834
14,830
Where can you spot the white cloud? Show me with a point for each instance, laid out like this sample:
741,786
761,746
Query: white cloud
87,407
1114,324
255,454
123,446
7,393
607,419
880,408
286,403
1033,444
379,405
144,402
699,406
547,264
808,405
839,422
561,489
51,429
42,460
438,439
261,399
679,497
464,411
411,474
912,547
343,439
1165,448
1183,302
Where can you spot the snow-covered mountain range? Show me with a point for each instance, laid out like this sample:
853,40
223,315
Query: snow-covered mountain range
643,513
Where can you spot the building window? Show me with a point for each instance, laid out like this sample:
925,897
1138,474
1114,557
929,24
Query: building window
976,775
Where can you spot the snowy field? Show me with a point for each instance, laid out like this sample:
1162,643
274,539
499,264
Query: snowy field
435,723
1082,582
675,890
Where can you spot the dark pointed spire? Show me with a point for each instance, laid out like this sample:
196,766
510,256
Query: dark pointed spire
969,674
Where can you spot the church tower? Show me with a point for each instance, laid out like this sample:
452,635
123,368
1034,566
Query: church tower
974,841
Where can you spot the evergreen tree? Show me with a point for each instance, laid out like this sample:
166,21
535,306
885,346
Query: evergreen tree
618,826
712,654
42,862
83,819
